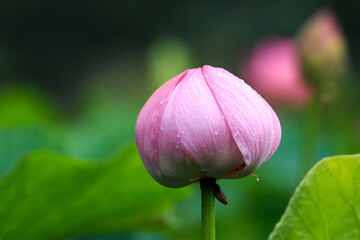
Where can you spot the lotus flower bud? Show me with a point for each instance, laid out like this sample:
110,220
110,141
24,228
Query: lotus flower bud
205,122
321,43
274,70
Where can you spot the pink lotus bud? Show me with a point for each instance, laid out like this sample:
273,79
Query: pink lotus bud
322,43
205,122
274,70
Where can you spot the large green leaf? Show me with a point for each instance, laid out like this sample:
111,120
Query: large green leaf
49,196
326,205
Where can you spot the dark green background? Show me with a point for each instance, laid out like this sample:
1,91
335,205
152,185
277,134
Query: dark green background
75,74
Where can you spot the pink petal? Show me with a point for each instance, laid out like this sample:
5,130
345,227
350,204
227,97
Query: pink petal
277,131
195,139
253,124
148,126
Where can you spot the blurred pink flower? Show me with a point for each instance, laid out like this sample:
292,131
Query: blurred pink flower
205,122
274,70
321,41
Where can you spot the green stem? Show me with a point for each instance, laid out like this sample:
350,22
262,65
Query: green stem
208,208
310,138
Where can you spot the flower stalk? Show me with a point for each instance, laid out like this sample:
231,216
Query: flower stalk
208,207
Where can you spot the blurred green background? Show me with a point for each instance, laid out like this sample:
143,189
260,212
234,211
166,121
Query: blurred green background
74,76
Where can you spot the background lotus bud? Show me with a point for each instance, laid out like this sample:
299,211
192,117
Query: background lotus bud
322,44
205,122
274,70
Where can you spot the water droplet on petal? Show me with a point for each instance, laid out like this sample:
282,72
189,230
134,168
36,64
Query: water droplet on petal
216,133
162,101
178,135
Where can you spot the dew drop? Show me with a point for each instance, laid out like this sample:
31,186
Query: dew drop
162,101
216,133
210,117
178,135
206,116
177,145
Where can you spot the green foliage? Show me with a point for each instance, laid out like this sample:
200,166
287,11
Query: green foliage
167,57
105,122
25,105
27,123
326,205
17,141
49,196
